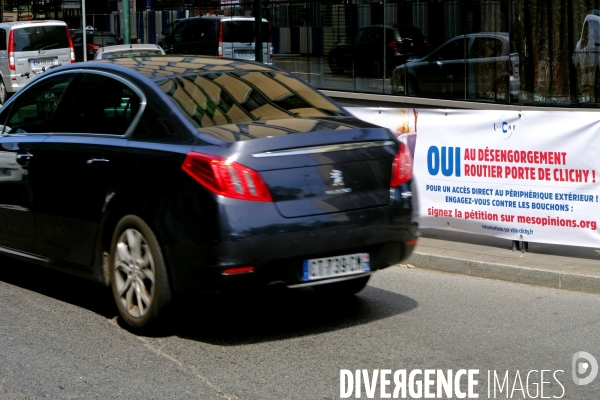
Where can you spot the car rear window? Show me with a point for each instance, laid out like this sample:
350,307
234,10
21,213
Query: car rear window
104,40
214,99
131,53
243,31
41,37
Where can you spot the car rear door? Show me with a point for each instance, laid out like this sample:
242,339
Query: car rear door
239,39
487,67
77,166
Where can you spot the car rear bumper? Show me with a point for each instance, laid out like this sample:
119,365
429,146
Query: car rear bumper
255,234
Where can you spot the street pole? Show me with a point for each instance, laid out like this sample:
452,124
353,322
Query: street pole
83,31
258,44
126,31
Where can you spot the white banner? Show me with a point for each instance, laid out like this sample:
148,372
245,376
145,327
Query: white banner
528,175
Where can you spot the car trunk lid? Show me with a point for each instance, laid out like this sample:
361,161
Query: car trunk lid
319,172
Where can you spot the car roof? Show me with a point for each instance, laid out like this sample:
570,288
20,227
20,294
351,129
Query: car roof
481,34
103,33
161,67
219,18
44,22
122,47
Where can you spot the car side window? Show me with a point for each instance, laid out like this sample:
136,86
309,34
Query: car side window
193,32
178,32
33,110
486,47
100,104
209,30
454,50
585,34
595,33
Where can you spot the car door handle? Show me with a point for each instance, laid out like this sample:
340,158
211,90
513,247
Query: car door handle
100,160
23,159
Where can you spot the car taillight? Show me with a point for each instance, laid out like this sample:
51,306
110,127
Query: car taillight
11,50
402,167
220,49
226,178
71,46
92,47
393,46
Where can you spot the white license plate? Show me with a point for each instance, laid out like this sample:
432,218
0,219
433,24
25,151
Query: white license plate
330,267
245,53
44,62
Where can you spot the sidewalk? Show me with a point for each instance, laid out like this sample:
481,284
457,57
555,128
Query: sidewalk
561,267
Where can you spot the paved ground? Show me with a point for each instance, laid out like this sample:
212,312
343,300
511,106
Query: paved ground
60,338
564,267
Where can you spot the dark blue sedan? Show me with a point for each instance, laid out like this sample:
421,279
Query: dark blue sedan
163,176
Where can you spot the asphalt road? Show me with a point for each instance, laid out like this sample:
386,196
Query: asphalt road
60,338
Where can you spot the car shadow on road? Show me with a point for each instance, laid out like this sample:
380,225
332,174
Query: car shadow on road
230,320
58,285
226,319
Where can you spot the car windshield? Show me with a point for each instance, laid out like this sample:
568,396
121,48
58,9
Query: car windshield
220,98
131,53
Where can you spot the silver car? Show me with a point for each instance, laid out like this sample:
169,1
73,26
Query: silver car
28,48
129,50
586,57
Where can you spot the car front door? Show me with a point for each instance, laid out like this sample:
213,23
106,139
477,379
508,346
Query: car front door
24,125
77,166
444,73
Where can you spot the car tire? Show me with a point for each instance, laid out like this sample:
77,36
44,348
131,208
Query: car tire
343,288
138,275
3,92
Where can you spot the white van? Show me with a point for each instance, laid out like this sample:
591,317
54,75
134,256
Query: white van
28,48
231,37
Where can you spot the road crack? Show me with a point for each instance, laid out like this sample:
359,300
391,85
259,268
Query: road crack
219,391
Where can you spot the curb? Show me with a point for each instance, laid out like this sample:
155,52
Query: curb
506,272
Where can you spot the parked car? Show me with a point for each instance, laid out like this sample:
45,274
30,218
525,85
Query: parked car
365,55
28,48
128,50
218,36
478,65
185,174
586,57
94,41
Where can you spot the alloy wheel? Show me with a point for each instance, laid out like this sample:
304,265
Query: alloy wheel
134,273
